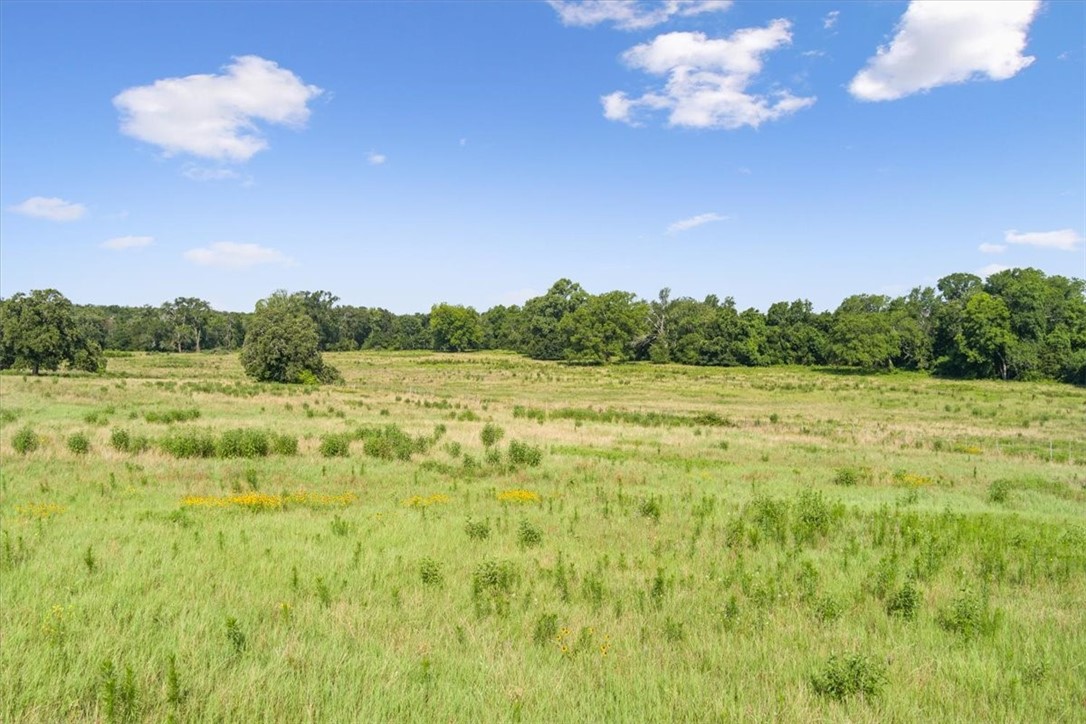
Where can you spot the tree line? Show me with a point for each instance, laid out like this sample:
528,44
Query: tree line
1016,324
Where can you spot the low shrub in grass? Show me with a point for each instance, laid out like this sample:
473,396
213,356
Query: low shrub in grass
123,441
491,434
522,454
392,443
529,535
335,445
26,440
842,677
168,416
904,602
968,615
79,443
189,444
999,491
243,443
283,444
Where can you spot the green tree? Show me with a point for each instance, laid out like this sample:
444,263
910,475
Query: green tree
40,331
986,337
540,337
604,329
187,318
281,344
455,328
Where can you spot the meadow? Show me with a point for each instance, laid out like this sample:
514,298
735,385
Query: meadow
482,537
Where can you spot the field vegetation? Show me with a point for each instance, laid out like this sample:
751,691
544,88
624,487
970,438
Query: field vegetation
480,537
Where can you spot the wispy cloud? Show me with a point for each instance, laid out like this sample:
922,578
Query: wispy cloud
693,221
830,20
707,79
939,43
376,159
203,173
987,248
631,14
120,243
231,255
1062,239
214,116
53,209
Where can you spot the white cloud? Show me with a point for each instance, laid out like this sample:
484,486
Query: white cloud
203,173
938,43
53,209
376,159
990,269
1063,239
831,19
699,220
987,248
707,79
128,242
631,14
230,255
214,116
463,142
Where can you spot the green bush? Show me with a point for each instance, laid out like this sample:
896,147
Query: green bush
26,440
477,530
491,434
335,445
283,444
170,416
529,535
999,491
79,443
243,443
430,572
189,444
847,477
968,615
392,443
843,677
904,602
522,454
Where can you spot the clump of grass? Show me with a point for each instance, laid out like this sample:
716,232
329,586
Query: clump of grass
282,444
849,477
430,572
340,526
79,443
650,508
813,517
904,602
492,586
25,440
235,635
826,609
842,677
999,491
170,416
123,441
335,445
546,629
968,615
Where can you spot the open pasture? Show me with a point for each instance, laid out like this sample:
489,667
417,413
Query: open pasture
486,538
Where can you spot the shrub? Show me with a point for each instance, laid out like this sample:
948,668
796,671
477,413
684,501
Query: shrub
529,535
335,445
79,444
812,517
169,416
477,530
968,615
491,434
391,443
189,444
492,585
842,677
283,444
904,602
26,440
523,454
120,439
847,477
243,443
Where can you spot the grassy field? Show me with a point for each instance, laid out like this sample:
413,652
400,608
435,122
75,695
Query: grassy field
486,538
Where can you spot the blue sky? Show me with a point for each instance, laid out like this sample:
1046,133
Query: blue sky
402,154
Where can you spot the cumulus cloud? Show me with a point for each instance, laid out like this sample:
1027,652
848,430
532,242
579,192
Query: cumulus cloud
938,43
987,248
128,242
376,159
215,116
707,79
631,14
693,221
53,209
990,269
230,255
1063,239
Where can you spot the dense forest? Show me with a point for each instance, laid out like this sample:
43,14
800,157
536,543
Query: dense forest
1016,324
